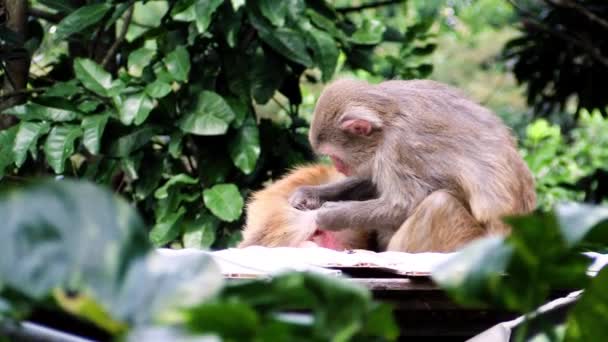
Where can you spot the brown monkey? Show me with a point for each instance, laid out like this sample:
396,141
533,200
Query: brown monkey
273,222
445,168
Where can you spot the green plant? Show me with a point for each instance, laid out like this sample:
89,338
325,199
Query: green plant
72,248
566,167
161,100
514,273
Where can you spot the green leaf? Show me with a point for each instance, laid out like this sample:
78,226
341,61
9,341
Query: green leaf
578,220
586,322
181,178
175,145
211,115
93,76
93,127
135,109
204,9
200,233
234,321
34,111
89,106
63,89
369,33
125,145
27,138
80,19
274,11
7,139
267,74
77,236
245,148
59,145
236,4
326,53
146,16
224,201
168,229
158,89
285,41
178,63
138,60
465,276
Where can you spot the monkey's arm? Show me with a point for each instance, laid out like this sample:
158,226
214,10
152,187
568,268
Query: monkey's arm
351,188
377,214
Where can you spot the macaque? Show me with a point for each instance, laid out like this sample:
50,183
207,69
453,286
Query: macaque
273,222
444,170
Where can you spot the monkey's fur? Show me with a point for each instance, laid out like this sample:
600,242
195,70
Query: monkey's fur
273,222
444,168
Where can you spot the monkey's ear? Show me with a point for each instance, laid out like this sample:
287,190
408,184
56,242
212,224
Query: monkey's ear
361,123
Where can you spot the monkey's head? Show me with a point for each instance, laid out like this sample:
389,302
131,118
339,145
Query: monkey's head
349,124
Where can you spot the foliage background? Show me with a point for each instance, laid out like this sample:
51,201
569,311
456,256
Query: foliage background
186,107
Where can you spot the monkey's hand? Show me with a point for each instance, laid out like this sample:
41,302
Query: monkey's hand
305,198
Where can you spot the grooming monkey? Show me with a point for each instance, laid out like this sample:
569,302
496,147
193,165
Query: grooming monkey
444,169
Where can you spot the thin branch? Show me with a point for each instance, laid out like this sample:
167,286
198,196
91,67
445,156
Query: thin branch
368,6
281,105
581,9
22,92
595,53
120,39
42,14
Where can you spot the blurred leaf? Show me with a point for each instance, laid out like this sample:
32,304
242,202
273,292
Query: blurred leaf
587,321
27,138
370,32
224,201
466,275
93,76
158,89
167,229
59,145
138,60
124,145
135,109
84,239
93,127
233,321
178,63
59,5
34,111
7,139
88,308
424,50
245,148
80,19
89,106
578,220
211,115
200,233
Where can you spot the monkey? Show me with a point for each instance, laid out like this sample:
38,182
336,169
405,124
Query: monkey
446,169
272,222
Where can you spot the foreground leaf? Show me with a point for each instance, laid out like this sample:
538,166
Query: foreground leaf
76,236
27,138
587,321
59,145
224,201
80,19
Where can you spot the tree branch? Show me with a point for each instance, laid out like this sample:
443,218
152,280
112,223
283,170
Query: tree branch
22,92
120,39
42,14
375,4
581,9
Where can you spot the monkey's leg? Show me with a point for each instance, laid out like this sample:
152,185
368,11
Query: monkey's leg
440,223
351,188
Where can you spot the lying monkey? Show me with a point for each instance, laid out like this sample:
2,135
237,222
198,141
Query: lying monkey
426,169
